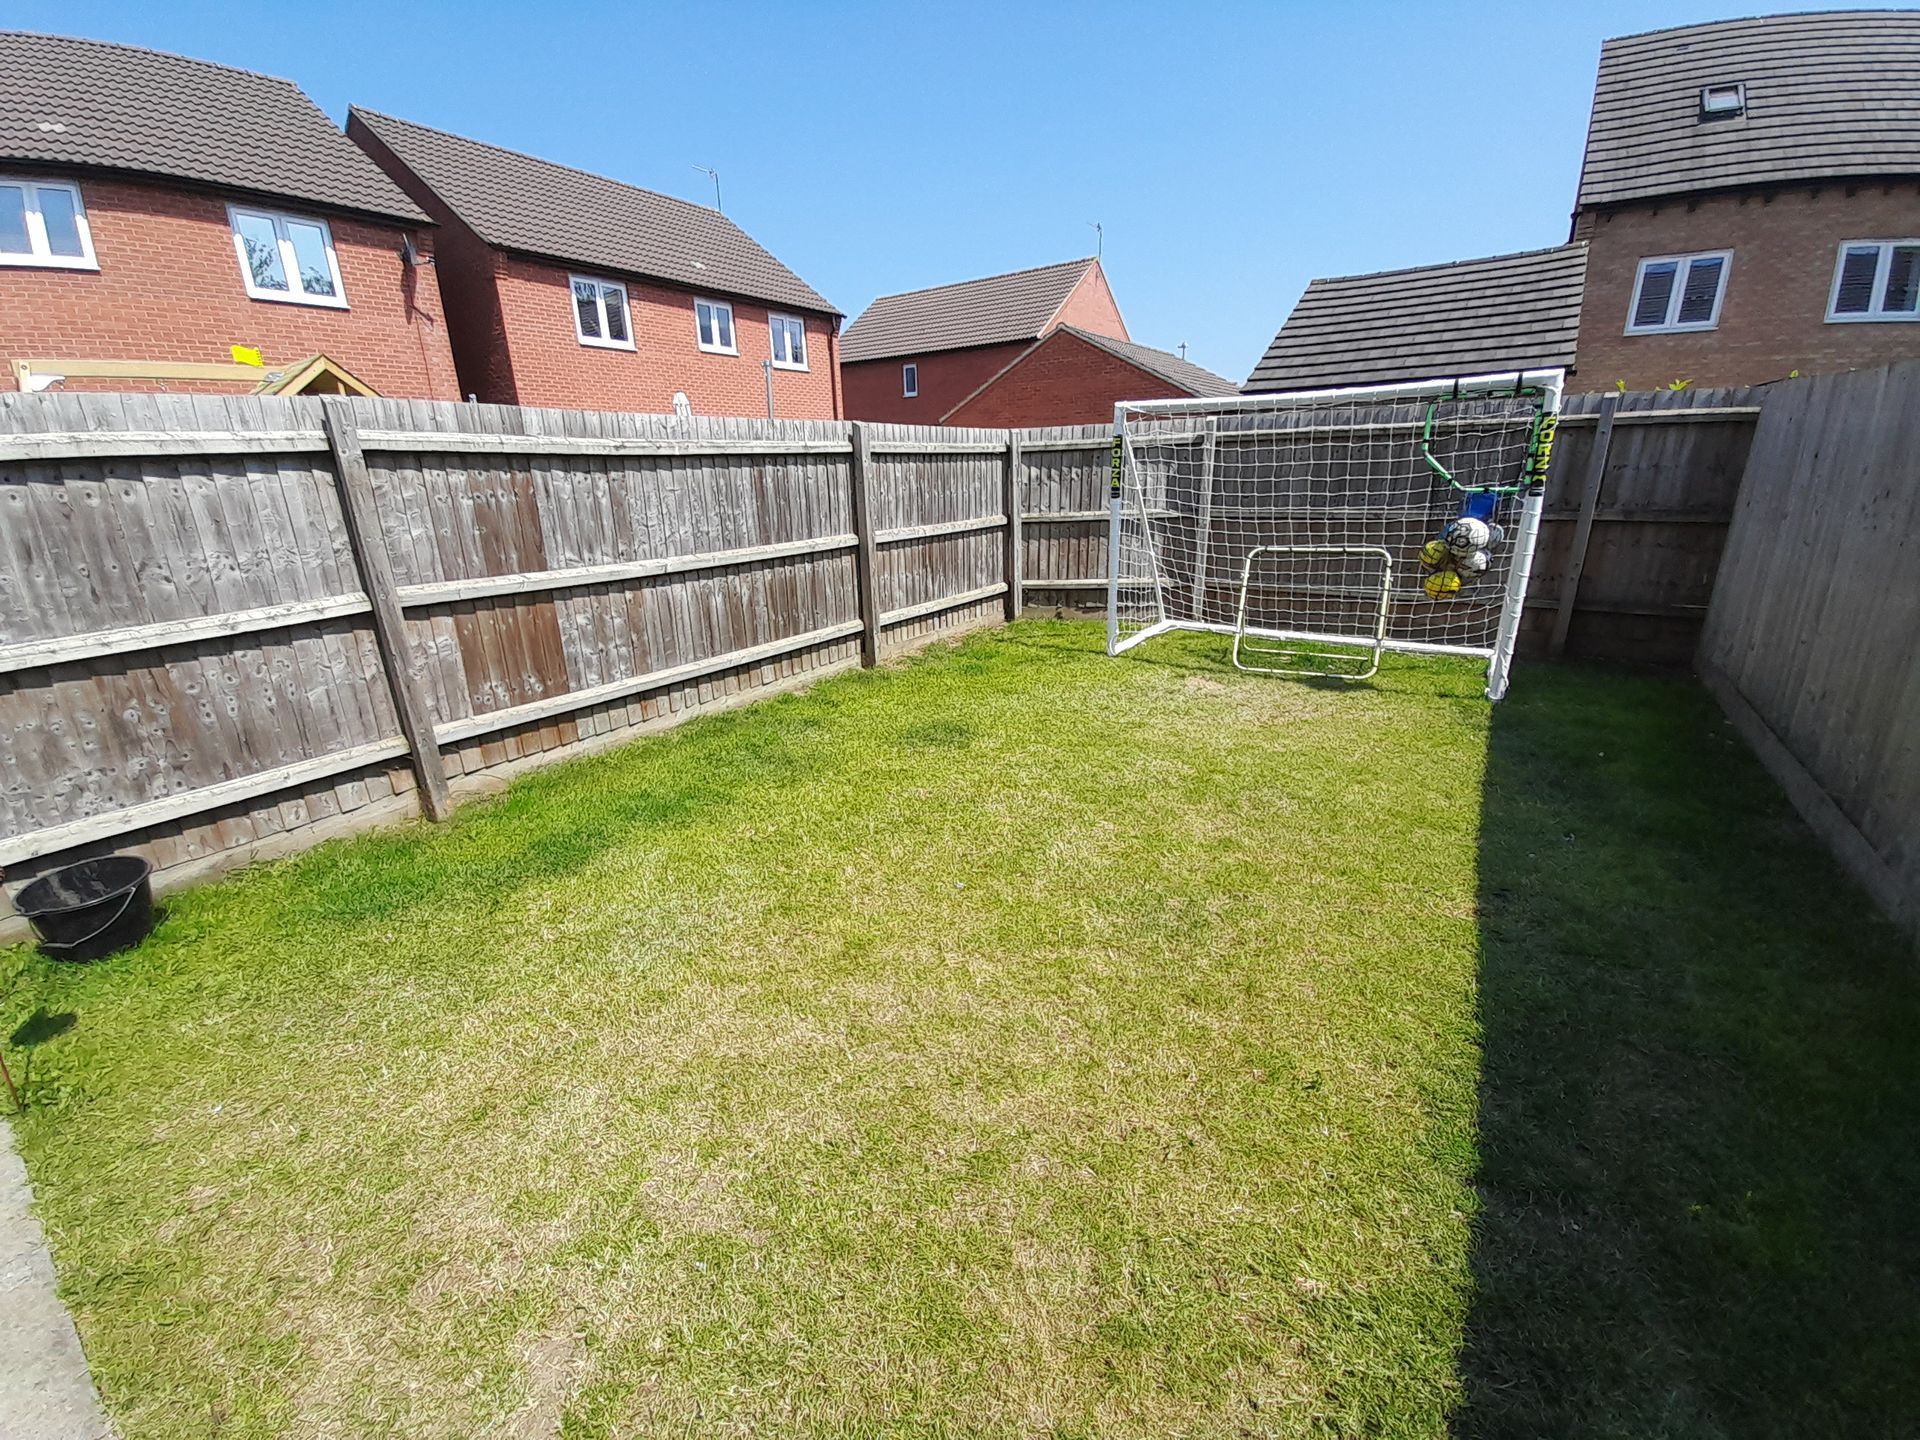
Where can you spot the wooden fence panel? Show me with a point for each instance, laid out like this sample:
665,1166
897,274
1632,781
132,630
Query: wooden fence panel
1813,639
1064,474
939,516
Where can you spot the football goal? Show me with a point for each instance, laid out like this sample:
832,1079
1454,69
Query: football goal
1323,528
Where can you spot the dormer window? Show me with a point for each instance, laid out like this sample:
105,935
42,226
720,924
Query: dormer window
1723,102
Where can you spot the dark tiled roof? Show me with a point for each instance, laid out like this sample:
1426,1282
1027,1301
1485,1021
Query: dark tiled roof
1826,95
112,107
517,202
993,311
1507,312
1170,368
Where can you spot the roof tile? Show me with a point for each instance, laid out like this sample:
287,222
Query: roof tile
518,202
113,107
1506,312
1827,95
992,311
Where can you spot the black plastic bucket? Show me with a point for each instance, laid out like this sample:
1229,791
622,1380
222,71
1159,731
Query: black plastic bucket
84,911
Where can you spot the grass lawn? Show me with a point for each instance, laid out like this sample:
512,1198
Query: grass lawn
1020,1043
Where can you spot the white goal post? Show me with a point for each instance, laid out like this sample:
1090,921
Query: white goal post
1323,527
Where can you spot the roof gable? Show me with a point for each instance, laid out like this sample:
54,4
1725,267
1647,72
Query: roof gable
519,202
1827,95
996,310
1472,317
87,103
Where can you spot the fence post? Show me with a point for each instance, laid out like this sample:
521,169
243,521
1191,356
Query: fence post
1016,554
1583,527
860,468
389,626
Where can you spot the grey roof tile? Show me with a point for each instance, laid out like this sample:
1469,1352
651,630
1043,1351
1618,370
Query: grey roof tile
991,311
519,202
1827,95
68,102
1505,312
1169,367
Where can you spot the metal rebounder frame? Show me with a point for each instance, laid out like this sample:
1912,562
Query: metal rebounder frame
1299,524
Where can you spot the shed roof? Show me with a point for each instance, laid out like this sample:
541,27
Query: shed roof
1471,317
87,103
991,311
1827,95
520,202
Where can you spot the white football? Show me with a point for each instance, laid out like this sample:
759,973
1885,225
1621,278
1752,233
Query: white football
1466,535
1472,565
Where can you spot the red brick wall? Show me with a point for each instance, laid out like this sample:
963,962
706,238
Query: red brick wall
169,288
1062,381
1773,314
1091,306
551,367
946,378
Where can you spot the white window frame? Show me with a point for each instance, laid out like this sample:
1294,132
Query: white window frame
289,262
1873,315
733,327
774,321
600,288
1712,322
909,381
39,255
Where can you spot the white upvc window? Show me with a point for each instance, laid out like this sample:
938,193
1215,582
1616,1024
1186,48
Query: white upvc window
43,223
601,315
909,380
286,258
1875,280
713,321
789,336
1678,292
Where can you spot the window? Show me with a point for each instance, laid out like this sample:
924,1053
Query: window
287,258
1678,292
789,342
909,381
1876,280
600,313
714,320
1722,102
42,222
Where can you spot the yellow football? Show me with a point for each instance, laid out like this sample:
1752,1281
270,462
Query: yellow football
1434,554
1443,585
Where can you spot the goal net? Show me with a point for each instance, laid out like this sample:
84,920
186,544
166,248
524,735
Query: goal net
1322,528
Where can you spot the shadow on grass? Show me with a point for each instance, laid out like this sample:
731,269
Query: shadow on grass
1700,1106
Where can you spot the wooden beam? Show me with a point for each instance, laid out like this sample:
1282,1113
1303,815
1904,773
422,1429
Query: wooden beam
866,579
945,602
473,442
1583,527
1015,552
1679,415
1065,517
551,705
36,844
572,577
147,370
939,528
389,625
129,639
937,447
104,444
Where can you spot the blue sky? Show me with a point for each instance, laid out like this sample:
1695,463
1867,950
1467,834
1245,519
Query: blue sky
1232,152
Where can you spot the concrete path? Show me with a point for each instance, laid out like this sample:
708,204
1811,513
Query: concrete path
45,1391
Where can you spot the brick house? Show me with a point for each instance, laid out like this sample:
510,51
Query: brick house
1470,317
568,289
1072,376
1750,200
157,211
915,357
